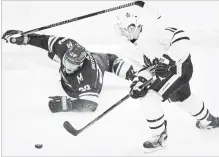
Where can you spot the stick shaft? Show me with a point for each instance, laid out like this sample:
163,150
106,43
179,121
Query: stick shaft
105,112
75,132
83,17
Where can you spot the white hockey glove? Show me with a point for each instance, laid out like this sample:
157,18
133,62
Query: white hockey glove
14,37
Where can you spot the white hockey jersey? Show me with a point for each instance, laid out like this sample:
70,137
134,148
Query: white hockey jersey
158,38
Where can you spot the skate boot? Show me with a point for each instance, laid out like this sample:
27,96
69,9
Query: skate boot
156,142
211,122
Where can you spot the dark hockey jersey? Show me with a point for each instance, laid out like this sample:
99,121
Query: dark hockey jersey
86,81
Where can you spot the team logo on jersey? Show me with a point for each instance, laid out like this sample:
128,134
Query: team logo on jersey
69,45
80,78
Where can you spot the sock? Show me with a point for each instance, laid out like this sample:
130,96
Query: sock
151,107
196,108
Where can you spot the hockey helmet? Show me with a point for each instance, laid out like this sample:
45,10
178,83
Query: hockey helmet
123,23
73,57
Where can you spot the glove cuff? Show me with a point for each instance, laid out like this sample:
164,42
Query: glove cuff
23,40
26,40
64,103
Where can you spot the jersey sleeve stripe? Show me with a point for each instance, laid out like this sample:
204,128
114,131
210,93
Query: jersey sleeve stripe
180,31
170,30
51,42
179,35
178,39
89,93
119,68
90,98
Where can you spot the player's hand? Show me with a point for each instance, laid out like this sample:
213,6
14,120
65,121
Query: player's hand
58,104
136,90
14,37
163,69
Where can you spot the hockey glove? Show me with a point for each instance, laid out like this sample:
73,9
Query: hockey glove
130,74
136,90
59,104
163,69
19,40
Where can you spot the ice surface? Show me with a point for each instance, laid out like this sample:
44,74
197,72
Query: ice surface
29,77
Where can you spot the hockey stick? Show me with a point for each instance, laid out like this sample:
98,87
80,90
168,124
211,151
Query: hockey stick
138,3
67,125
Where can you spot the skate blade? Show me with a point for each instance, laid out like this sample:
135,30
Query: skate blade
150,150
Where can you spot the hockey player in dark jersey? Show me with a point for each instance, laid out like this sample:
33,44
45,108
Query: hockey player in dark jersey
81,71
172,67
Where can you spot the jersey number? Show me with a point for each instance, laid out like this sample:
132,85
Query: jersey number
85,88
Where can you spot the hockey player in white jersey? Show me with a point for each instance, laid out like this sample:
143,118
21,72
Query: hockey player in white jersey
171,70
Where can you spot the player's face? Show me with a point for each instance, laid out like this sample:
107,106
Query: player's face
128,32
131,29
134,31
69,67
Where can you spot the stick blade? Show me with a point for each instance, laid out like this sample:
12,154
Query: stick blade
139,3
70,128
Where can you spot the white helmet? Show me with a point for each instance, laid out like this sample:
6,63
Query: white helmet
124,21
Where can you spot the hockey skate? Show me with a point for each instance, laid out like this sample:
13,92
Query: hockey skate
156,142
211,122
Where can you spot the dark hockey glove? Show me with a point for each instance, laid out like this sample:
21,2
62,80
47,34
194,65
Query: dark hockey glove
164,70
136,90
59,104
131,74
19,40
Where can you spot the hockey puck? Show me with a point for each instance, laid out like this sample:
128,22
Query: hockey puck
38,146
